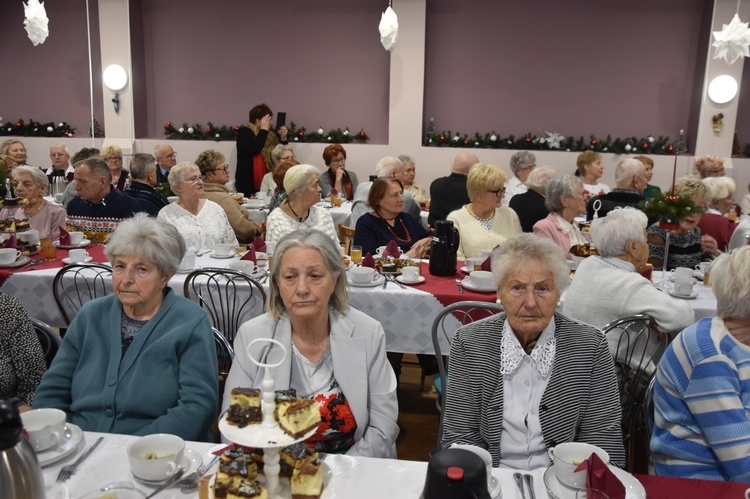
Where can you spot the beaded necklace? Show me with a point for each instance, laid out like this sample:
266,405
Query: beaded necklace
492,215
396,236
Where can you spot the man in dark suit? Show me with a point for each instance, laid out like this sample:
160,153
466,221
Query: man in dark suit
143,175
449,193
630,176
166,158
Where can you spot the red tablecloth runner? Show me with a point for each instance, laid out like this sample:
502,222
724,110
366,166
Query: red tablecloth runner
663,487
96,252
445,289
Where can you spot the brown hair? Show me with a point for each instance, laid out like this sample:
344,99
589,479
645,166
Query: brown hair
331,151
586,158
259,111
280,170
378,190
645,160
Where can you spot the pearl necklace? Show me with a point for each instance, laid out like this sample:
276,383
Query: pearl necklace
492,215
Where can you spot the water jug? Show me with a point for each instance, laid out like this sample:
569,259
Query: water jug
444,248
20,473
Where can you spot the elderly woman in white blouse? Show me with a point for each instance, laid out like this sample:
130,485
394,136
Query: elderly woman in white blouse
202,223
299,211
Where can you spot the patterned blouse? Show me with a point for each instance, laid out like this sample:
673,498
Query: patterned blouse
201,232
279,224
684,249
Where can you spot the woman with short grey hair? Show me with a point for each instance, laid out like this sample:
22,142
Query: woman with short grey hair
565,200
418,192
332,353
47,218
279,154
522,164
300,211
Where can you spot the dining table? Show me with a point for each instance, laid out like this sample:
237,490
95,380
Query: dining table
352,477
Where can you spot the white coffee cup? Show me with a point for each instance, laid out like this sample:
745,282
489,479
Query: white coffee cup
78,255
683,273
44,426
362,275
30,236
485,254
703,267
684,288
155,457
222,249
188,261
482,278
76,237
486,457
568,456
59,197
380,250
473,264
8,255
246,266
410,274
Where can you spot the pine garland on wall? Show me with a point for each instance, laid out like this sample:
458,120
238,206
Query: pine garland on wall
210,131
34,128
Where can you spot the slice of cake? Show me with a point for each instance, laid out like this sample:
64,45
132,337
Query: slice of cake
294,456
247,489
235,466
289,395
298,417
307,481
244,408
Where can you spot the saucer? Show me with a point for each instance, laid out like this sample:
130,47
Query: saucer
469,284
83,244
698,275
22,260
556,490
376,281
72,436
191,461
222,257
691,296
465,270
68,262
186,271
420,280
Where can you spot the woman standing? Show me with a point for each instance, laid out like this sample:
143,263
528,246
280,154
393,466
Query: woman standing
31,183
112,155
255,142
590,170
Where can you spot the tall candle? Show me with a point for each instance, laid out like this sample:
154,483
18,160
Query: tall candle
674,172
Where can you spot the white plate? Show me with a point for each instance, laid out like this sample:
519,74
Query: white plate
466,271
22,260
186,271
191,461
286,490
691,296
83,244
469,284
376,281
633,488
255,435
420,280
222,257
68,262
72,436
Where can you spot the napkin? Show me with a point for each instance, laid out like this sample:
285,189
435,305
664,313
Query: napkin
11,242
64,237
259,244
392,250
600,477
368,261
250,254
487,264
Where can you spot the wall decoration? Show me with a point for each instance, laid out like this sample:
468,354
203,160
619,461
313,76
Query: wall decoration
34,128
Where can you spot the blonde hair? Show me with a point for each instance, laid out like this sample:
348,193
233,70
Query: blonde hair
483,177
719,188
586,158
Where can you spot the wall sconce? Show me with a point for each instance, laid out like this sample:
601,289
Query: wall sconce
115,78
722,89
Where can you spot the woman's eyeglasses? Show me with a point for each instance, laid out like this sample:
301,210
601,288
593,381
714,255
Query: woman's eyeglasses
194,179
225,169
497,192
113,159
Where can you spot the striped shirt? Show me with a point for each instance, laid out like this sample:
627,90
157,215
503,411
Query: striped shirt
702,406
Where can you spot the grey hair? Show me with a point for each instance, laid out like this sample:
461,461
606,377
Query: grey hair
539,178
150,239
611,234
560,187
518,160
719,188
37,175
405,158
158,149
328,249
177,173
59,145
141,164
520,248
97,167
386,165
730,282
628,169
298,178
278,151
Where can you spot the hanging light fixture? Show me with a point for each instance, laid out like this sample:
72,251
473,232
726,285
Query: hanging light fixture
389,28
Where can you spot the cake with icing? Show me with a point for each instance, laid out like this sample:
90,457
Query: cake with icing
298,417
294,456
244,408
307,481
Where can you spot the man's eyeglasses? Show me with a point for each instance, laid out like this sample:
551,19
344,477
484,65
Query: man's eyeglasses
194,179
171,156
113,159
497,192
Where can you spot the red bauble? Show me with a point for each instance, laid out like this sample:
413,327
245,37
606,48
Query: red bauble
19,124
644,146
670,148
67,134
208,130
466,142
236,128
594,142
168,126
301,133
442,138
362,134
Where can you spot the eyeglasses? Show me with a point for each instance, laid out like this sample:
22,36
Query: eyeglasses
171,156
530,166
194,179
338,160
57,155
113,158
497,192
225,169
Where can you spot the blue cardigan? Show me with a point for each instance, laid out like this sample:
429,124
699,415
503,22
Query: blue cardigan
167,381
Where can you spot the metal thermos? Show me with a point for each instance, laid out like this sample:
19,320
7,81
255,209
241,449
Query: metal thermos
58,185
444,248
20,473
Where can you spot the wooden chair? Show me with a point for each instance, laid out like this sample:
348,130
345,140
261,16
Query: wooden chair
465,312
48,338
78,283
346,236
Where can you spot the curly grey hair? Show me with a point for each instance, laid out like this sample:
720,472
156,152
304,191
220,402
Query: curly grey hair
516,250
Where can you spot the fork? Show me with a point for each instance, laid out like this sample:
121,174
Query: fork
68,470
460,286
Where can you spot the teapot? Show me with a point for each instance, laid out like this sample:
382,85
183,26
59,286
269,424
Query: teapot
444,248
20,473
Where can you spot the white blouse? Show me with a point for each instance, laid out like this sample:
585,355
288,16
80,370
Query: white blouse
201,232
279,224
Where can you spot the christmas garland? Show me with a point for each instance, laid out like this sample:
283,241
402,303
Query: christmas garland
36,129
197,131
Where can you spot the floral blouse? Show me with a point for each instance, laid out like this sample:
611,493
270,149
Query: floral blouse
201,232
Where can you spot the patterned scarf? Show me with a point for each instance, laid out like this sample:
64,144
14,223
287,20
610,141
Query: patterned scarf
271,142
345,180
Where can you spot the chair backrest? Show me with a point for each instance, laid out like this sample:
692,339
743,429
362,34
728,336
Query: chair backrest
231,297
48,338
444,327
78,283
346,236
225,357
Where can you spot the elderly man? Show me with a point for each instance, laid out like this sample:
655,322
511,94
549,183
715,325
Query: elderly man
449,193
630,176
166,158
70,190
142,183
521,164
389,166
60,157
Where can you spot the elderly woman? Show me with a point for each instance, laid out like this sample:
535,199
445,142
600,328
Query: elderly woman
590,169
280,153
521,164
60,158
334,353
565,201
620,238
202,223
32,183
687,247
255,141
299,210
112,155
530,206
418,192
521,381
484,222
215,172
21,358
279,172
143,360
15,149
720,199
651,190
702,390
388,223
337,176
709,166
